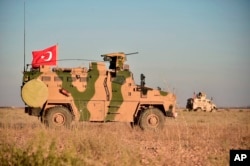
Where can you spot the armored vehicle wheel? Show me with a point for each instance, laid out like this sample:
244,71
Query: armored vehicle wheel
57,117
152,119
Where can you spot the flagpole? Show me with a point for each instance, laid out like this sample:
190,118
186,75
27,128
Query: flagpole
24,39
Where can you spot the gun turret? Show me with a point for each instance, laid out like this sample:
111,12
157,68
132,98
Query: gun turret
116,60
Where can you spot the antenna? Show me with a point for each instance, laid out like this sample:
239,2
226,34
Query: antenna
24,39
41,63
166,84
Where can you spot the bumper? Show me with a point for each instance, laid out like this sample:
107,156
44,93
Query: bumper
33,111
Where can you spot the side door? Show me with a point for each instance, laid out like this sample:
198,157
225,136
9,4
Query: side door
97,108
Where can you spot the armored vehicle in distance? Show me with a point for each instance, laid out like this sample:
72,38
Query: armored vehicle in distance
97,94
200,103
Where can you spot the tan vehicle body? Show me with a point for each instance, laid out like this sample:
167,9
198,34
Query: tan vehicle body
93,94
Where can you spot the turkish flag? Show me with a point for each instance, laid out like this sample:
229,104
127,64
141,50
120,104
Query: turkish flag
47,56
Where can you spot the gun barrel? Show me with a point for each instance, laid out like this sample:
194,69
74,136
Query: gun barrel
132,53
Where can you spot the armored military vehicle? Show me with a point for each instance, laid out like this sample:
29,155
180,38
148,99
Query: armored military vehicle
98,93
200,103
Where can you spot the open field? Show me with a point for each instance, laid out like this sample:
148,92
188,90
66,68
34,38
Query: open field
194,138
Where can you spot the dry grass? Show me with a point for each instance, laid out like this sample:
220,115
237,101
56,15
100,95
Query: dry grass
194,138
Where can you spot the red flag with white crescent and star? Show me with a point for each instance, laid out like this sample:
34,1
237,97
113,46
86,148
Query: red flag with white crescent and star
47,56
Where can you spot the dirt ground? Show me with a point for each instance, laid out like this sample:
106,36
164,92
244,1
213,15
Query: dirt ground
193,138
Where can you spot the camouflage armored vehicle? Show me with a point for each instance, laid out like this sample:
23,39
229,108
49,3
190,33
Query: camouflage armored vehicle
97,93
200,103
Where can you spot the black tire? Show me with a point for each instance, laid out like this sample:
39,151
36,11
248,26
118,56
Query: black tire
152,119
57,117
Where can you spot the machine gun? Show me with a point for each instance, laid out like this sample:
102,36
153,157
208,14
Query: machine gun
132,53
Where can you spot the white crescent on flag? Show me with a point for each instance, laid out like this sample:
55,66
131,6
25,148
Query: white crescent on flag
49,58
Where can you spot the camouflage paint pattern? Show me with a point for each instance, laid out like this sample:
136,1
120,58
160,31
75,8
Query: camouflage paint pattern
81,98
97,93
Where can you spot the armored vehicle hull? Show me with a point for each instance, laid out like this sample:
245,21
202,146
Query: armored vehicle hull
98,94
200,103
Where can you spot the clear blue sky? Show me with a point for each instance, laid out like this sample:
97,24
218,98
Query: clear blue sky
184,45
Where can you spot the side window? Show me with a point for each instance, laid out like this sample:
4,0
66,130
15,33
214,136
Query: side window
58,78
83,79
71,79
45,78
